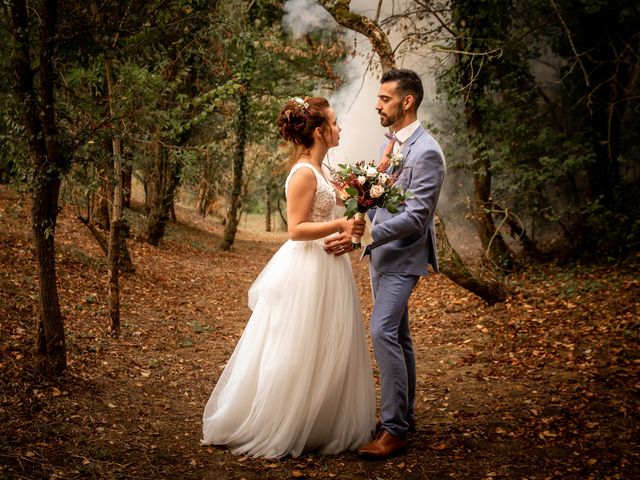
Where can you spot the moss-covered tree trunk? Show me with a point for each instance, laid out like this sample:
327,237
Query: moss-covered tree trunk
247,70
238,167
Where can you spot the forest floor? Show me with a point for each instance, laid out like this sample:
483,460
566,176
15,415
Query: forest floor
542,386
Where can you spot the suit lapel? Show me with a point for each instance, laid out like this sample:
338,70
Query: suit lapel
411,140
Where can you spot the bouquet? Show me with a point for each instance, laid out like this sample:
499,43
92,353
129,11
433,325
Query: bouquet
361,187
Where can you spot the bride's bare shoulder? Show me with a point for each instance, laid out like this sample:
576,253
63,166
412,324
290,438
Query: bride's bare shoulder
302,172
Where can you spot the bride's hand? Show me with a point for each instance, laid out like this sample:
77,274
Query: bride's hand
338,244
341,243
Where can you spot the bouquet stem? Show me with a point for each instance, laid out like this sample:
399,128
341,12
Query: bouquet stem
357,239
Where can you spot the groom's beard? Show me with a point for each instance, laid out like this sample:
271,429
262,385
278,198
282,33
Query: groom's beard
393,117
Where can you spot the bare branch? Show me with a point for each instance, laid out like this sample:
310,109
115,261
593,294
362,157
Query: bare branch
339,10
573,47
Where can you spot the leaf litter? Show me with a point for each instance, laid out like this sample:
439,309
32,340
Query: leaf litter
542,386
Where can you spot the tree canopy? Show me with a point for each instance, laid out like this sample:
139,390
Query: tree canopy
538,107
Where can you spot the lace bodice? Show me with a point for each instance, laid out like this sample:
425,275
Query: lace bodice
325,197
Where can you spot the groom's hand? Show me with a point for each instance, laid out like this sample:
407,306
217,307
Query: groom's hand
338,244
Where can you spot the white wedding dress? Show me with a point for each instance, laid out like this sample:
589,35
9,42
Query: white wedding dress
300,377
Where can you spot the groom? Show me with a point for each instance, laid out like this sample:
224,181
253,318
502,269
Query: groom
403,246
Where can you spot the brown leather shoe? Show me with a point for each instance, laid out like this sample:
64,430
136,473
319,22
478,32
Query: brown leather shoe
384,445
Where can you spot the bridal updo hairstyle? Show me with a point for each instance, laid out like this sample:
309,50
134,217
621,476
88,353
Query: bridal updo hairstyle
299,118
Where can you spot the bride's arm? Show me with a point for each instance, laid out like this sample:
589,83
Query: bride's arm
300,195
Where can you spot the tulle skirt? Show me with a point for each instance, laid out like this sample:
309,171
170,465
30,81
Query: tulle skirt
300,376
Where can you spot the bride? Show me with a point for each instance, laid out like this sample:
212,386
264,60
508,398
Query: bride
300,376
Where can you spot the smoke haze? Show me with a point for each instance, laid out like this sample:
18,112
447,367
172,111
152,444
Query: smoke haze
303,16
354,103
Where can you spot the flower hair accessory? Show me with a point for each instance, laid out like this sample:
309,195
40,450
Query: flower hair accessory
300,102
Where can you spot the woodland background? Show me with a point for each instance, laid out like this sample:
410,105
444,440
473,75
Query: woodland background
142,190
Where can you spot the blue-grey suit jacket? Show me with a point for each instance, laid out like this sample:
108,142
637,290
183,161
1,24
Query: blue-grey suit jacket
405,242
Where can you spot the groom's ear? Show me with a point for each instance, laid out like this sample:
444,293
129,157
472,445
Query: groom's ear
408,102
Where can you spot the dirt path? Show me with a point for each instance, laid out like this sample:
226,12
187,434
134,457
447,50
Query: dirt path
544,386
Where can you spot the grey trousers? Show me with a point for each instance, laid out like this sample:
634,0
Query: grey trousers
393,348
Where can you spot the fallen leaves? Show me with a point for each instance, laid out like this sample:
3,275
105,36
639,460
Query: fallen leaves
549,377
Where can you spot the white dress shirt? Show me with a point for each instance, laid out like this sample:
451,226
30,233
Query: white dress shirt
403,135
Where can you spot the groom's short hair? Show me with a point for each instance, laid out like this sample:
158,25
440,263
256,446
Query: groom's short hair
408,83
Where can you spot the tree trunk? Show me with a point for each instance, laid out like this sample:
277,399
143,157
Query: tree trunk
246,184
518,232
238,166
283,218
268,209
51,349
172,209
202,204
101,198
162,185
48,163
113,259
339,9
490,290
127,177
495,248
126,264
97,234
247,70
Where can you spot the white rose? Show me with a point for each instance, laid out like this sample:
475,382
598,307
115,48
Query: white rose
372,171
377,191
362,179
383,179
397,159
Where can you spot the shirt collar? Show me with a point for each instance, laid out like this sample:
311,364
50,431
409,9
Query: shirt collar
403,134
